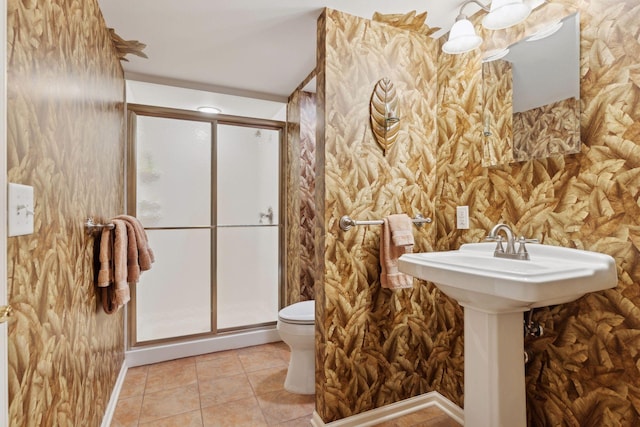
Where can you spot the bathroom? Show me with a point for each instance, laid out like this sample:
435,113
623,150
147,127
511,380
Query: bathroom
584,370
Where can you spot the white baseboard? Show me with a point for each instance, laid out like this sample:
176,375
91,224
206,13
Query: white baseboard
115,393
160,353
396,410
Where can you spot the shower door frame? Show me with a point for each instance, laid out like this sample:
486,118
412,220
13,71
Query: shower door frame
135,110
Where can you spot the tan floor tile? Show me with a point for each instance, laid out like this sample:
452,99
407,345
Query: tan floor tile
282,349
175,363
261,357
429,417
216,355
298,422
169,402
240,413
127,412
173,374
223,384
221,390
281,406
390,423
188,419
441,421
422,417
134,382
267,380
226,365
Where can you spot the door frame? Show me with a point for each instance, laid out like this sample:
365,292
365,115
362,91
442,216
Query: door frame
134,110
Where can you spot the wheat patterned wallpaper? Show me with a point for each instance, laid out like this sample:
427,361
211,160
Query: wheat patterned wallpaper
307,196
292,211
547,131
497,112
301,128
585,370
65,138
376,346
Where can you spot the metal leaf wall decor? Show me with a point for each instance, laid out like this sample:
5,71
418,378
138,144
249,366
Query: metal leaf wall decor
385,122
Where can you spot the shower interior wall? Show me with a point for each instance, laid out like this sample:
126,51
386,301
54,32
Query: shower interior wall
300,197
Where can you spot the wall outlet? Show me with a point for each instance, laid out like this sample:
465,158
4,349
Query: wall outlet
20,209
462,217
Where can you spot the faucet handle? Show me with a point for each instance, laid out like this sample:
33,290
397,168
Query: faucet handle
522,248
498,240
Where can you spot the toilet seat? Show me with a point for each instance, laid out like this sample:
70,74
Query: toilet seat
300,313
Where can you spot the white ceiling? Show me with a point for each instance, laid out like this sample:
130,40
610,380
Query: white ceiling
257,48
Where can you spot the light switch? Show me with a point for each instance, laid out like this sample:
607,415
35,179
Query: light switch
462,217
20,206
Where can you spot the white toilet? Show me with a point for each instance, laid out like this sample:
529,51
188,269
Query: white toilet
296,328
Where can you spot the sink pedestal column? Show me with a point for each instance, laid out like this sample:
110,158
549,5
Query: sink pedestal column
494,387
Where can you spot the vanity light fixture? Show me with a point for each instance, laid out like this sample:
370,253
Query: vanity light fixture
209,110
462,37
505,13
546,32
495,54
501,14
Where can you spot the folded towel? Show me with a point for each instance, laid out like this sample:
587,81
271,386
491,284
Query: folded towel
105,273
113,272
120,269
401,227
145,254
105,276
390,276
133,268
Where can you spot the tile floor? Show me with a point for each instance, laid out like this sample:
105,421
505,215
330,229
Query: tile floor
235,388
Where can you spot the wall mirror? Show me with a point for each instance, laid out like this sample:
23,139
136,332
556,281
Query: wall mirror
531,96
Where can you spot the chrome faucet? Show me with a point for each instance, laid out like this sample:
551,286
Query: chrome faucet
510,251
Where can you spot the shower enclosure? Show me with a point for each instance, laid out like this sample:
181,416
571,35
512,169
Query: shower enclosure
207,190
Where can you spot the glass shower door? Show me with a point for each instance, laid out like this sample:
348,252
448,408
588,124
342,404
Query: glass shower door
208,194
173,201
247,254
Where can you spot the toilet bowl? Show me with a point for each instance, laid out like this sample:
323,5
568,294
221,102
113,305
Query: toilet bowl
296,328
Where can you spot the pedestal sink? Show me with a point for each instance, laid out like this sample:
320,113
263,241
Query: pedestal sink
494,292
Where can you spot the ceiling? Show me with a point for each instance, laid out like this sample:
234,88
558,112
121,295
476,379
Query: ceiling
256,48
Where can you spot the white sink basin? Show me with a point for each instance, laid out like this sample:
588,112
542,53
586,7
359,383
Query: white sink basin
494,292
475,278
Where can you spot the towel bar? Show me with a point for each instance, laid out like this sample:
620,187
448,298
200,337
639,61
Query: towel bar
92,227
346,222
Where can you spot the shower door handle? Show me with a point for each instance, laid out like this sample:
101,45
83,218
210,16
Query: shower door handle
268,215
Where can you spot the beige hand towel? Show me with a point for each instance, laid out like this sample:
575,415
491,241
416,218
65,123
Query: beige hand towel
145,254
120,270
105,274
133,268
401,227
105,278
390,276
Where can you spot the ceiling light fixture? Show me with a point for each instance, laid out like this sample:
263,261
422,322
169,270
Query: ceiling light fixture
502,14
209,110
